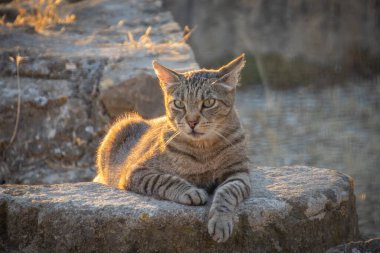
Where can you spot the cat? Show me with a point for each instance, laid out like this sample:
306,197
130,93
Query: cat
196,149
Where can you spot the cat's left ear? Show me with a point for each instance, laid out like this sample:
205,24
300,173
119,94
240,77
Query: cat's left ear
168,78
230,73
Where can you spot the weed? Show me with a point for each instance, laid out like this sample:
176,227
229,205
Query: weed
145,42
39,15
17,60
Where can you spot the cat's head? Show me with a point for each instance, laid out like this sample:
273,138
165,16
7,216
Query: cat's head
198,103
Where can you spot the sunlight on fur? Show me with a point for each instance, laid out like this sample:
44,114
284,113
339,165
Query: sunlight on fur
197,149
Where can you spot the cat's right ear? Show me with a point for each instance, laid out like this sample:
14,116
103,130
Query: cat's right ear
168,78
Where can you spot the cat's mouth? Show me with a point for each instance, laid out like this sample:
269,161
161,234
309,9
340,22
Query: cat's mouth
195,133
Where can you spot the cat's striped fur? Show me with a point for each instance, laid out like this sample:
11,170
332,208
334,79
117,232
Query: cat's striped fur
197,148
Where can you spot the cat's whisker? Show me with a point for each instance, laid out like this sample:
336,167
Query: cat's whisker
227,129
155,132
223,138
225,126
171,138
158,129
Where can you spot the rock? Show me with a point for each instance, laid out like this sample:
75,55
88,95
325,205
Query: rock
5,1
369,246
295,40
314,30
291,209
79,77
136,94
4,173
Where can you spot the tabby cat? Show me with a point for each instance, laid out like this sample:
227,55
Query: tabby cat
196,149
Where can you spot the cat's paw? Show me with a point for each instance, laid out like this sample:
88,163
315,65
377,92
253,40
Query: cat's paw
194,196
220,227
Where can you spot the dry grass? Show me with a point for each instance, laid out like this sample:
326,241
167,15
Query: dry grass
39,15
17,60
145,42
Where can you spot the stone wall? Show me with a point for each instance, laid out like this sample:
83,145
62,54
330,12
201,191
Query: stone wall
75,79
300,41
371,245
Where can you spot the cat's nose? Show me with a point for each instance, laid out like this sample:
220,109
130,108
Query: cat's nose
192,123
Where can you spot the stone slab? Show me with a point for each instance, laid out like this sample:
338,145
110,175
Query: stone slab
291,209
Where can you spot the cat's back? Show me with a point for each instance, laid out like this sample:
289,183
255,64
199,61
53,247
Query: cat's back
115,148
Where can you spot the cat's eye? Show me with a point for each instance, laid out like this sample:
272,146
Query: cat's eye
209,103
179,104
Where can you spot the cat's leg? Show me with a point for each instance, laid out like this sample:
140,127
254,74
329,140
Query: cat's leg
165,186
228,196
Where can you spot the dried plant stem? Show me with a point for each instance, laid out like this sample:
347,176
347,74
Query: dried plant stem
45,13
146,42
187,32
15,130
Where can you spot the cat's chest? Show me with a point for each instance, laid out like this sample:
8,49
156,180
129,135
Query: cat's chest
206,180
194,166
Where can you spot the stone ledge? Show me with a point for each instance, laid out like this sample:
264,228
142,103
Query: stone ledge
369,246
73,83
291,209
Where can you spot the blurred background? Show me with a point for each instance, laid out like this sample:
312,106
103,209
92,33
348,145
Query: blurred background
310,92
311,86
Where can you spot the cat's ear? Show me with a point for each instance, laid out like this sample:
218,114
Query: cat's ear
168,78
229,74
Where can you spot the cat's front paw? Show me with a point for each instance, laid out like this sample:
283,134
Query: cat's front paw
194,196
220,227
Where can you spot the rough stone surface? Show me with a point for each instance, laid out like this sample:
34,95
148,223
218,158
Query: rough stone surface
369,246
287,43
329,32
73,82
291,209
